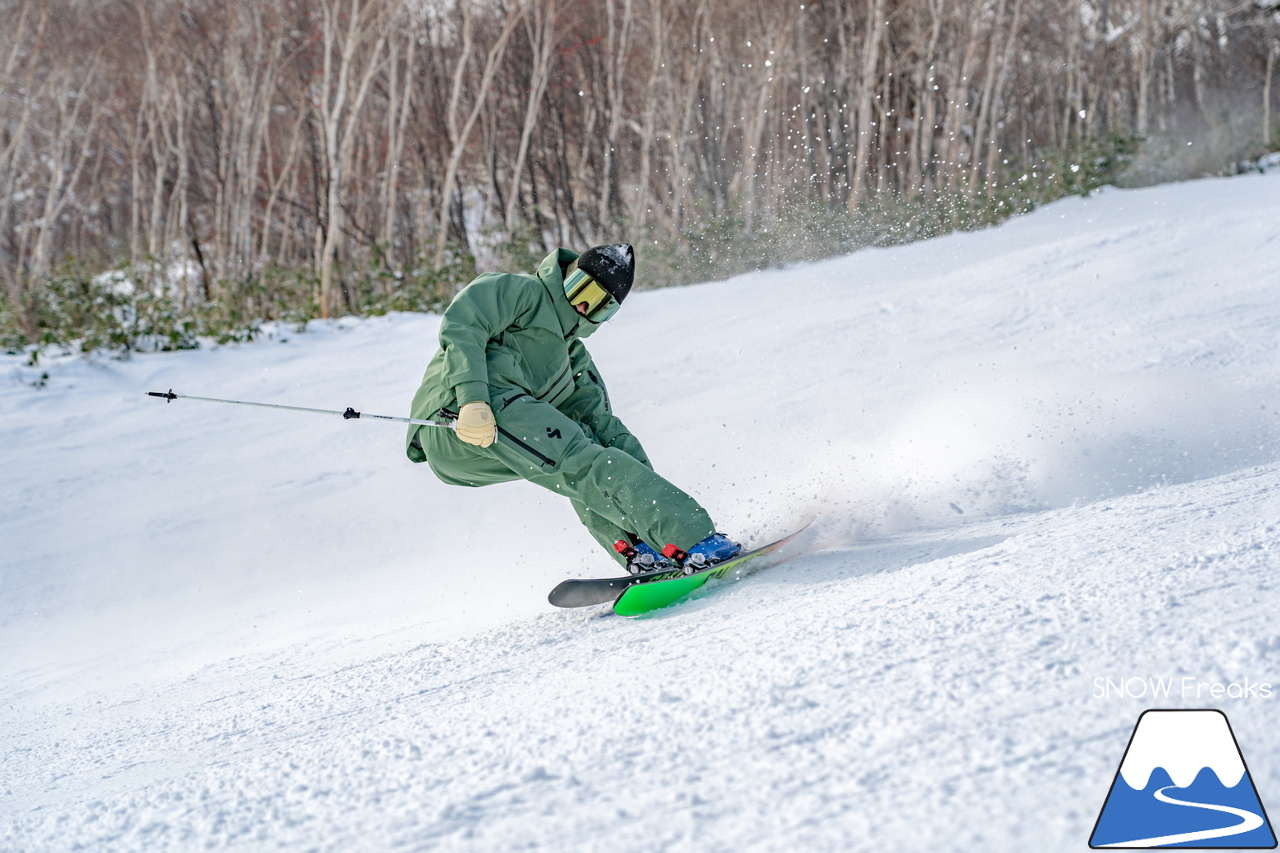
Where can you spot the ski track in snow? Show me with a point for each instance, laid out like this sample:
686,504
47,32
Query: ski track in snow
1040,454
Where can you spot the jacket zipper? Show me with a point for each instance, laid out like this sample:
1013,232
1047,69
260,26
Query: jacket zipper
510,400
546,460
555,384
596,379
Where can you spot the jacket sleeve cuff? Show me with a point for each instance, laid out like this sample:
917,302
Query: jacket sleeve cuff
471,392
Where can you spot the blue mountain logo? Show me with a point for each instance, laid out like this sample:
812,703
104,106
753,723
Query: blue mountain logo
1183,783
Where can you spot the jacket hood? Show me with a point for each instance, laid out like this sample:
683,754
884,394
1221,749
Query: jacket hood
551,274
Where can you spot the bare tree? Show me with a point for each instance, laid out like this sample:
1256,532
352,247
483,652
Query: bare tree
459,136
236,154
354,40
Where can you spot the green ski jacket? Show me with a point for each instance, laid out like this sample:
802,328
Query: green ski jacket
508,334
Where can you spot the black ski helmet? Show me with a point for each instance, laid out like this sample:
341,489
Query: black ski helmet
613,266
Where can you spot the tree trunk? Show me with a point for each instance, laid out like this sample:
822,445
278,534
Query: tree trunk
866,90
462,135
542,36
1266,98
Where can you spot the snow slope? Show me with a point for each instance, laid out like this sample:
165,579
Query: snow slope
1041,456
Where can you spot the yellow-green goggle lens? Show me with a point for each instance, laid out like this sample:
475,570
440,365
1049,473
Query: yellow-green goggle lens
580,287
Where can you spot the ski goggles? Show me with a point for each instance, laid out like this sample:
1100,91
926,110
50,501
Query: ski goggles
580,287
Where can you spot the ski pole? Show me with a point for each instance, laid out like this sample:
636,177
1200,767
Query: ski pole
348,414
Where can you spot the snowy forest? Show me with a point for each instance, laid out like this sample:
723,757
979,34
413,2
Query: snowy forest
245,160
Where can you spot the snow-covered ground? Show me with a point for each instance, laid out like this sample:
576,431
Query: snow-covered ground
1040,457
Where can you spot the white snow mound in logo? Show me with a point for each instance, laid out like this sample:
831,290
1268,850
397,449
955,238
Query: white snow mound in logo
1183,743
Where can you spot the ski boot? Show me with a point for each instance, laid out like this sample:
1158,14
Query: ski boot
716,548
641,558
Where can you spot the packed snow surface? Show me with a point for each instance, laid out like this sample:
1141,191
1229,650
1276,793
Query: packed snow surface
1043,463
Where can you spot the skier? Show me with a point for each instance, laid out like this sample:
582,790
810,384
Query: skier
529,404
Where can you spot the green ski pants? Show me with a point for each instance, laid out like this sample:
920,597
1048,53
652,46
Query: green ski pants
615,495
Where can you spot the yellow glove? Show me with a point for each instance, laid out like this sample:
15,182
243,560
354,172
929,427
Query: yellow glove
476,424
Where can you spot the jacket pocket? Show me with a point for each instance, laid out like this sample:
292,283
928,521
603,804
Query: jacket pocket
507,401
538,455
559,387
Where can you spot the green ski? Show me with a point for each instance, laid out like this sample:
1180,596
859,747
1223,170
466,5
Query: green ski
639,598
